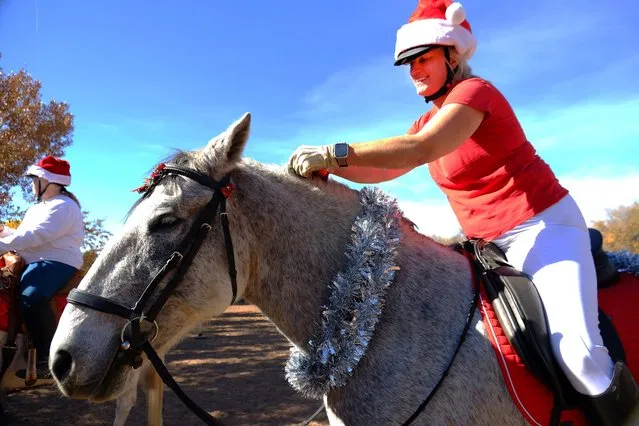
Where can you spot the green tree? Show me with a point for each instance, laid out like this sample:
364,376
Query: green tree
94,239
30,129
621,229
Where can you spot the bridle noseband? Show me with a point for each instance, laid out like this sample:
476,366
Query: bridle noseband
131,349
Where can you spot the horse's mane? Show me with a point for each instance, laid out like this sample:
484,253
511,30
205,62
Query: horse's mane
178,157
194,160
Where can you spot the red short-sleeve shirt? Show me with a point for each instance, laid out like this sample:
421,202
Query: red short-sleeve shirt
495,180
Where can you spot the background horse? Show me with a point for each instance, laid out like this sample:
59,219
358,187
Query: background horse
150,383
10,382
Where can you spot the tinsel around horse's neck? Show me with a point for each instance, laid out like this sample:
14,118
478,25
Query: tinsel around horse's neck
297,232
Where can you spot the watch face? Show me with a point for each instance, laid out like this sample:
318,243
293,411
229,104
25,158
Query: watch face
341,150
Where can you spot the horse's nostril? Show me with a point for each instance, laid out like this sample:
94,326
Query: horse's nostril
61,366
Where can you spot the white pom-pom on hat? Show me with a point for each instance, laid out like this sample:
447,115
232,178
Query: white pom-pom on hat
455,13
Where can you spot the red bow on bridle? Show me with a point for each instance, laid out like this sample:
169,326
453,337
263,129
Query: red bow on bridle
151,180
157,174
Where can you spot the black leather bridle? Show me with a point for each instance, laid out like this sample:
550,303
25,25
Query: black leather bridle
130,351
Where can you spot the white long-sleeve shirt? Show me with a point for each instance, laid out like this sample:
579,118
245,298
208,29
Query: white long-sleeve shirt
51,230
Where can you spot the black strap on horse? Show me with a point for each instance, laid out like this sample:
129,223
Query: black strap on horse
462,338
131,349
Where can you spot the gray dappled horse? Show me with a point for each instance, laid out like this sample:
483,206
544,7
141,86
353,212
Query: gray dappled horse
289,237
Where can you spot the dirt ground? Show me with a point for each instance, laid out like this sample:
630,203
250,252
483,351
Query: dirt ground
235,372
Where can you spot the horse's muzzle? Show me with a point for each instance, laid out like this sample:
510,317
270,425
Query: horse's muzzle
96,388
62,367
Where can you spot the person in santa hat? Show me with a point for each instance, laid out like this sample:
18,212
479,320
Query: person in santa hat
499,188
49,239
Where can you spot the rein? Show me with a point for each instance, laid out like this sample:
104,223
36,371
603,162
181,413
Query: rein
131,349
462,338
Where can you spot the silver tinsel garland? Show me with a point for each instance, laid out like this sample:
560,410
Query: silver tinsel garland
625,261
356,300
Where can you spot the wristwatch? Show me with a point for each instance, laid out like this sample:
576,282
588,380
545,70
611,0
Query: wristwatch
341,153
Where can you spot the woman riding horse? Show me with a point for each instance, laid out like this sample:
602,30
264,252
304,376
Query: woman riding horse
49,239
499,188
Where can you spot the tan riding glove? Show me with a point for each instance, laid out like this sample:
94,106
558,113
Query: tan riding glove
308,159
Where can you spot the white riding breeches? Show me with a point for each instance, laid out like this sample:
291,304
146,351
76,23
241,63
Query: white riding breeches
553,247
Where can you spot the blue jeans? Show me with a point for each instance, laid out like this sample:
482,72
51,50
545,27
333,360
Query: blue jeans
41,280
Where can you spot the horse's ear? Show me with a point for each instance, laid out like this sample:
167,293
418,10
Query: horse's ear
236,136
228,147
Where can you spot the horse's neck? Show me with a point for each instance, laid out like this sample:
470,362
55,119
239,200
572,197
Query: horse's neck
299,235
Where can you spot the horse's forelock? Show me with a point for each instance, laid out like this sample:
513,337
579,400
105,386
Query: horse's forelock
191,159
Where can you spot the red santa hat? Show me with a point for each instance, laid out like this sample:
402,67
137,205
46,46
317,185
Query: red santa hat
434,23
55,170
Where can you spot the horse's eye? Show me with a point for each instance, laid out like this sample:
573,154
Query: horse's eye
163,222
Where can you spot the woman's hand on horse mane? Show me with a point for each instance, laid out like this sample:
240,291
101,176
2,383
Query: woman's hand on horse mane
451,126
307,159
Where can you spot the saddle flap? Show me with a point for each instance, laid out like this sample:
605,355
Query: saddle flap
521,314
526,306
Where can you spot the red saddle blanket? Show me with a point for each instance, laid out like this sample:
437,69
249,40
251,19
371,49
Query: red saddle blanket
530,395
60,303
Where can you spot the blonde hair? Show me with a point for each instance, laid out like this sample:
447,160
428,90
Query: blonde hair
462,69
65,191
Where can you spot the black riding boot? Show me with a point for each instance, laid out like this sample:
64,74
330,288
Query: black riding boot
41,325
619,404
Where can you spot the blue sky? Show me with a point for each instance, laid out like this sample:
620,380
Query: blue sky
143,78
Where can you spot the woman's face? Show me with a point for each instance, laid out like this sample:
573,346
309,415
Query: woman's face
34,184
429,72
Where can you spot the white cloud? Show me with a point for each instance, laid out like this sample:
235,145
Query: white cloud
431,218
595,195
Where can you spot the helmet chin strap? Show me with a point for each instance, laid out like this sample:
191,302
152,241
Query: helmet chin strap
449,79
41,192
